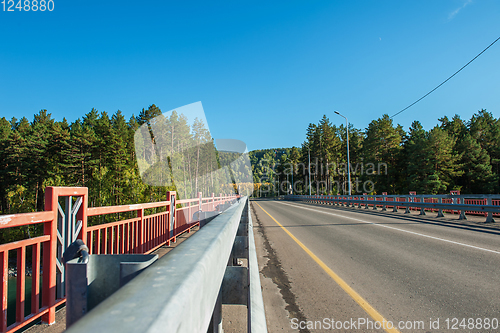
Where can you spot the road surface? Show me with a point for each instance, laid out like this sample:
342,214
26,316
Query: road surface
329,268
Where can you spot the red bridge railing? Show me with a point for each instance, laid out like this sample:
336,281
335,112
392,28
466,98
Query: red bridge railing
143,233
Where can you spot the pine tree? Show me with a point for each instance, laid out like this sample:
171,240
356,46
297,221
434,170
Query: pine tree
5,130
330,150
455,127
63,157
83,139
201,136
15,172
102,180
308,152
381,149
39,164
443,158
478,177
486,130
147,116
118,162
414,151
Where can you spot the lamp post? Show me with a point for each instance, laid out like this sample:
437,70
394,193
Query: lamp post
348,164
309,155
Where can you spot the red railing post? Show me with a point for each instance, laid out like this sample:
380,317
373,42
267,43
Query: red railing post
49,257
140,214
21,283
4,264
213,201
35,280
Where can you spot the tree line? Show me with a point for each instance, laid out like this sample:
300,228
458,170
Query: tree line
119,163
140,159
457,154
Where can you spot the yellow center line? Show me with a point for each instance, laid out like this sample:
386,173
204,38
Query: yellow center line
351,292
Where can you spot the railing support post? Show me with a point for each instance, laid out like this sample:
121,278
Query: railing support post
49,258
82,215
407,210
462,212
171,196
200,203
4,266
440,211
216,321
489,218
72,224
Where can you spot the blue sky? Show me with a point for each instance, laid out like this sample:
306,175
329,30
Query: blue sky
263,70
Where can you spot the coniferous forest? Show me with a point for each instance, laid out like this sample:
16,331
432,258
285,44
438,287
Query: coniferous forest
107,154
456,154
98,151
120,161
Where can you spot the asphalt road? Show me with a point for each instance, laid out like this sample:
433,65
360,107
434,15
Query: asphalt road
353,265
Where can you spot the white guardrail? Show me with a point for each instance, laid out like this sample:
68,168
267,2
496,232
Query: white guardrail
184,290
479,204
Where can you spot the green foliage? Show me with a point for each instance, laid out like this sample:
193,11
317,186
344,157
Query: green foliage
98,152
478,176
457,155
382,147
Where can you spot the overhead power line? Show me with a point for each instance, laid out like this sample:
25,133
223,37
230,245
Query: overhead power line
421,98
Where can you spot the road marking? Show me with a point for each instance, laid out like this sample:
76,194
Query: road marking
389,227
351,292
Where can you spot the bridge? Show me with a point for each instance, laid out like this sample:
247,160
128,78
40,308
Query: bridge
324,260
346,263
147,227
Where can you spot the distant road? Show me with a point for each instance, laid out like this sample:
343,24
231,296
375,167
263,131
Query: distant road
355,266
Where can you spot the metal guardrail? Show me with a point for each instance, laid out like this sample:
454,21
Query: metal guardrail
490,203
184,290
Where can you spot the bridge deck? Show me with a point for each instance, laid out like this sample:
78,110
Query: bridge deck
406,266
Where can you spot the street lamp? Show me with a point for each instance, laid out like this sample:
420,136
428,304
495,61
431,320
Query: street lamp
309,155
348,165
